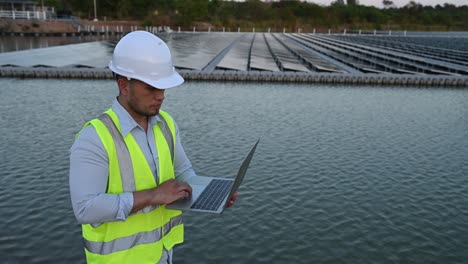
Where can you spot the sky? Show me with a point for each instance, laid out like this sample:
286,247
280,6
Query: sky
399,3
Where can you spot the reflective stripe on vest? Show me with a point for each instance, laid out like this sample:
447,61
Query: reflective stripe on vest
124,243
125,162
141,238
168,135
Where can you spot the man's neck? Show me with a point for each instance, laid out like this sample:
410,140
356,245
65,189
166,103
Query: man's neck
141,120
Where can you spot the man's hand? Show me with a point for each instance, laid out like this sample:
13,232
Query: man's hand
166,193
170,191
233,199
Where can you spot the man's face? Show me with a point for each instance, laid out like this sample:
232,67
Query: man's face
143,99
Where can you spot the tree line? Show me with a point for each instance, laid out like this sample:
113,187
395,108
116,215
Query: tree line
291,15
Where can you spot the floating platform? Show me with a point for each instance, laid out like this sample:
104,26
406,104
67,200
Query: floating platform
270,57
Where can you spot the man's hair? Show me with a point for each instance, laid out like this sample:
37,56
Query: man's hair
117,76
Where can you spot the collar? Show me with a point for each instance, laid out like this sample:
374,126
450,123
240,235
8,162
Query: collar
127,123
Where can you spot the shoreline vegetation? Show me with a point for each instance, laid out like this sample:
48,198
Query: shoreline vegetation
289,16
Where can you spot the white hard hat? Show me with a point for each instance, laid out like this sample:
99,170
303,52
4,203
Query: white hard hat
143,56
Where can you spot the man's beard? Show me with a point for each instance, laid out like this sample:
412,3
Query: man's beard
142,112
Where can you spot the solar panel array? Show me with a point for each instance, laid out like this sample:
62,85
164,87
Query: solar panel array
275,52
457,56
380,59
313,59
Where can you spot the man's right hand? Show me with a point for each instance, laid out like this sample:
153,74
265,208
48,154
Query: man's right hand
170,191
166,193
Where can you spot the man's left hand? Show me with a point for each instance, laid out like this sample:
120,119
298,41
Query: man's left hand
233,199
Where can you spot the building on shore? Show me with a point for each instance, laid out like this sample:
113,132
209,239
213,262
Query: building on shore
18,5
25,9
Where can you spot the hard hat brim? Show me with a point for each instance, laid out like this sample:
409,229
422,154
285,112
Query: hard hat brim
171,81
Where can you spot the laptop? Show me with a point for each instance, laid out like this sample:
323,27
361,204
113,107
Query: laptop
212,194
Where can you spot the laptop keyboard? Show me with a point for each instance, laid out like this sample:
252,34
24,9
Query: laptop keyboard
213,195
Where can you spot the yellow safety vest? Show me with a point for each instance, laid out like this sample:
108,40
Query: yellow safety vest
142,236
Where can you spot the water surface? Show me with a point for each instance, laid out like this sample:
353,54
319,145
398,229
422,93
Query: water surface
343,174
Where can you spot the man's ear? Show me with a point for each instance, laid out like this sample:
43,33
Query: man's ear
123,86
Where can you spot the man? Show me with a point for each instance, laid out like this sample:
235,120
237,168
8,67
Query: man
128,163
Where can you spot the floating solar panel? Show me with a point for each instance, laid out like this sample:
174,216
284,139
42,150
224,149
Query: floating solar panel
92,54
237,57
260,57
287,60
316,57
195,50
